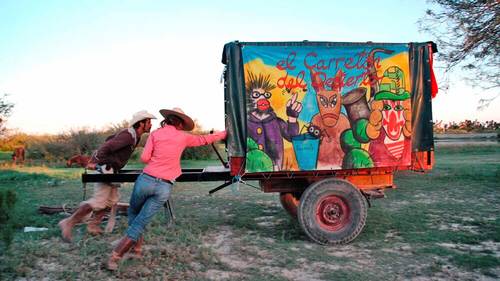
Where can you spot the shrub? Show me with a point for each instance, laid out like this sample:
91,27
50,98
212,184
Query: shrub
84,142
10,141
198,153
136,155
50,148
63,146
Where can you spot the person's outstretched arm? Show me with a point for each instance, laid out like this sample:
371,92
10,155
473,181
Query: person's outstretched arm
199,140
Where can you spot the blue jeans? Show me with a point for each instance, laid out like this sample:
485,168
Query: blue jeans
148,197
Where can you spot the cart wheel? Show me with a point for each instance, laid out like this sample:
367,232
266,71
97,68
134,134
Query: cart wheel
332,211
290,202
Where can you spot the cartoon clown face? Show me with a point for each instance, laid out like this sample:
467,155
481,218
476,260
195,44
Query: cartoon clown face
393,119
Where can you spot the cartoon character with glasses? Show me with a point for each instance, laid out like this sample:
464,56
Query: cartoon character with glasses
264,126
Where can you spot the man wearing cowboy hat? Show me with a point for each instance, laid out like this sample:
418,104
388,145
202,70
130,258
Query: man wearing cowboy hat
110,157
162,155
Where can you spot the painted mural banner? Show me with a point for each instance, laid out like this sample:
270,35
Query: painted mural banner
345,106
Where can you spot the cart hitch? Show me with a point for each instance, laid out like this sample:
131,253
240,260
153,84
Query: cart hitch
372,194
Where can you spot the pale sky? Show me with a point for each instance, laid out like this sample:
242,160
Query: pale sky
74,64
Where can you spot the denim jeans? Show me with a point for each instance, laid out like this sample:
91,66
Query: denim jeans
148,197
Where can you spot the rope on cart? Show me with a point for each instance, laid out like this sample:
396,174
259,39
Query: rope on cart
237,179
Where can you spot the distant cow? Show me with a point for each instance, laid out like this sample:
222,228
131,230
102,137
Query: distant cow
80,160
18,155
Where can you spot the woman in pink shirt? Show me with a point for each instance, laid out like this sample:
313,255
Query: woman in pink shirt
162,155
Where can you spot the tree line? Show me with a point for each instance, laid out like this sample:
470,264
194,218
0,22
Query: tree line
467,126
60,147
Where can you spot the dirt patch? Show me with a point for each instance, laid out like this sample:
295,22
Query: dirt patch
305,270
231,251
401,249
392,235
459,227
489,247
449,272
397,205
348,251
426,199
268,221
52,266
299,275
213,274
238,257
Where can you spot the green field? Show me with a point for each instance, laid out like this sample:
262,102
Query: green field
443,225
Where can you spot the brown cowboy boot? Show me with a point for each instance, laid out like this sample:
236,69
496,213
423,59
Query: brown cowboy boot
67,224
93,226
136,251
123,246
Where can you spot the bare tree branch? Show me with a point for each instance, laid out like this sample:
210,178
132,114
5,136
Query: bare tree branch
5,110
467,33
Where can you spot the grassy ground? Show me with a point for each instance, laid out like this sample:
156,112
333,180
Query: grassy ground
442,226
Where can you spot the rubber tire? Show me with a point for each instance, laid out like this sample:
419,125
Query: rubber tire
290,202
350,196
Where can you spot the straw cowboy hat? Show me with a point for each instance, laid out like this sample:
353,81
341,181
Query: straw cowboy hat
187,122
139,116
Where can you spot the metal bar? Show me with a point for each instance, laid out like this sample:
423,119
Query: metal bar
219,187
188,175
224,163
171,209
193,175
169,213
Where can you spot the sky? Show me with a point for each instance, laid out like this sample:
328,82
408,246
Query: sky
68,65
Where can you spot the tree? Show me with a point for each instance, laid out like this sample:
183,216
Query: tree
467,33
13,139
84,141
5,110
114,128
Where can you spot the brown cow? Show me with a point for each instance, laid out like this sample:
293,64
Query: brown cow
80,160
18,155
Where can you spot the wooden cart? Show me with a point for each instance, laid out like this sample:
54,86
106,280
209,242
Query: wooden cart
325,124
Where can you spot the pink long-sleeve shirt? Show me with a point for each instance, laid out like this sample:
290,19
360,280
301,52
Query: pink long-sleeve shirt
164,147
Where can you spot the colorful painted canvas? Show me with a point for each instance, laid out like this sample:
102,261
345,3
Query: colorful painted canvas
327,107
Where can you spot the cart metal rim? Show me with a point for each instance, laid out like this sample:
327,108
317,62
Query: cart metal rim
333,213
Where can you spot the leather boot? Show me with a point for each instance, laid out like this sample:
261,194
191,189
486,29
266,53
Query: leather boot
136,251
123,246
93,226
67,224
